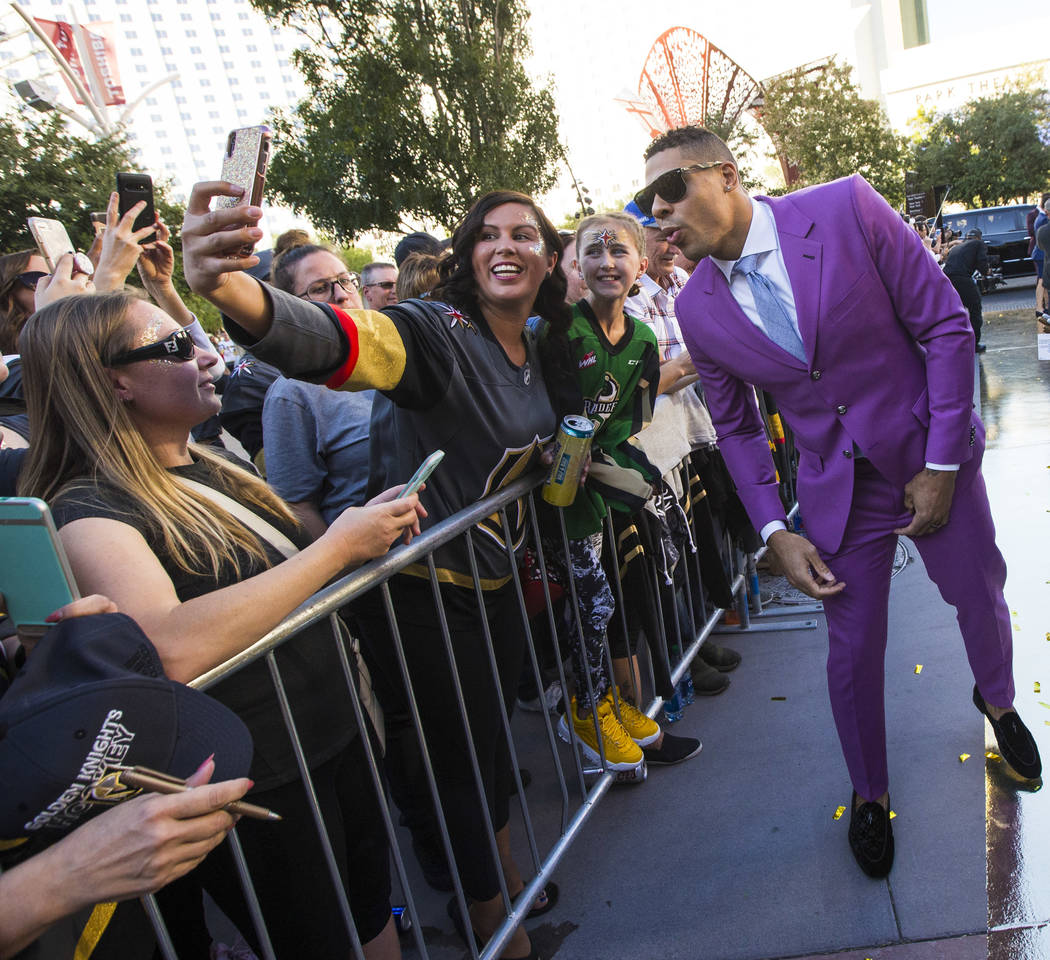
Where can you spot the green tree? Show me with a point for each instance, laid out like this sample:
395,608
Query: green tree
818,120
46,171
991,151
415,107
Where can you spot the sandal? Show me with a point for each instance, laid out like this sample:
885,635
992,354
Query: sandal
549,898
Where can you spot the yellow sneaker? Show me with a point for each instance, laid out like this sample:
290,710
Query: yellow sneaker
621,752
639,727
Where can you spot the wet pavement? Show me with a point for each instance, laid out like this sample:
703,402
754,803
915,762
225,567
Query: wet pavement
1015,393
737,855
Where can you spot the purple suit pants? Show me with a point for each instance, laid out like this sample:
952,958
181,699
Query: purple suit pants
962,560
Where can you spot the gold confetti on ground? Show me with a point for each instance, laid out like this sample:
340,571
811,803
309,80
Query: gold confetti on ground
1017,626
893,815
963,757
781,699
992,755
1043,703
1035,687
839,811
1013,613
918,669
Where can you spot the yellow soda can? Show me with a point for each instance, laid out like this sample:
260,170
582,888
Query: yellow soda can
571,447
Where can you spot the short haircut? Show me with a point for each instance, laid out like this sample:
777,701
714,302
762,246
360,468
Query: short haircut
417,242
370,268
697,140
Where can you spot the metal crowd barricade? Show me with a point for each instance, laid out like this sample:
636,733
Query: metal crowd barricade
592,783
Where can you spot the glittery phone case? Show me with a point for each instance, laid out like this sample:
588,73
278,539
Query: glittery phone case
244,163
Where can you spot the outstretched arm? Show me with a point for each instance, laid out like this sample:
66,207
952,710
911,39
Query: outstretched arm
212,242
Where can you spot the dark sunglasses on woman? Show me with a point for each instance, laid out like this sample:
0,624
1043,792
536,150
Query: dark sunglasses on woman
177,345
670,186
31,278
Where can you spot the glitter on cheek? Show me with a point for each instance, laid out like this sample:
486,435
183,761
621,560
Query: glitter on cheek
539,248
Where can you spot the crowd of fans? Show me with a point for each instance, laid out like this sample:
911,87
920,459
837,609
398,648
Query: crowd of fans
336,386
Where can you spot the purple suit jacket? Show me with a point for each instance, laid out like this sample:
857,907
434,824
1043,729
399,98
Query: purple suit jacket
890,358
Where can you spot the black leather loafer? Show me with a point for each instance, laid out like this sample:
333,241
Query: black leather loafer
871,837
1016,743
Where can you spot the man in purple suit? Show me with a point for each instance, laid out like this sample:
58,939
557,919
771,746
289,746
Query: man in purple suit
826,299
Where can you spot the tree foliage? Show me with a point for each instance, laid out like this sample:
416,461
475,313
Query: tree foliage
819,121
47,171
415,107
990,151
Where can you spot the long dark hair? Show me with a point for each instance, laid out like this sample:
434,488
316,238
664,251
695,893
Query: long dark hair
458,286
12,316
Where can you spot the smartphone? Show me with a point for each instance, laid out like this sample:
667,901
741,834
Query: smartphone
426,468
51,240
244,163
35,576
131,189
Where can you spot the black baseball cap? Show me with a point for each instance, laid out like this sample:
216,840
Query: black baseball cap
92,699
417,242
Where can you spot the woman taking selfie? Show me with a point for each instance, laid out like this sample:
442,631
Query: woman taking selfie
113,385
461,373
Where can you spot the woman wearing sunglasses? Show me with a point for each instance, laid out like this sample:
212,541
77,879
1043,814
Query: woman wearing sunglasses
19,274
113,387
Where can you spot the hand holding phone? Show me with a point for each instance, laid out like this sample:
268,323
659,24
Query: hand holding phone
133,188
51,240
426,468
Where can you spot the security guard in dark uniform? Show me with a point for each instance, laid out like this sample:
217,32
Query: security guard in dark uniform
959,266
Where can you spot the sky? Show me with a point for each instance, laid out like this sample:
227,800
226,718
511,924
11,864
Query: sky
595,49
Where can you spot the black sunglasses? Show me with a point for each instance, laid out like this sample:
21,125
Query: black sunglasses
670,186
177,345
31,278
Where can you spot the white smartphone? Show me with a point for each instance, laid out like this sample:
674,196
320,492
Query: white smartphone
426,468
51,239
35,576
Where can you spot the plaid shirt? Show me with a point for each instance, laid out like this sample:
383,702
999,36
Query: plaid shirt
655,305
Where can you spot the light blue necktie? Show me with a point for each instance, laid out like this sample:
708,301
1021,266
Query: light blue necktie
771,311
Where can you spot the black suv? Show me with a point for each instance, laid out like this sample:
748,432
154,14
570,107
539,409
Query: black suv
1003,229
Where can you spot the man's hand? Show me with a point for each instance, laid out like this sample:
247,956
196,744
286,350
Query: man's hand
928,496
802,565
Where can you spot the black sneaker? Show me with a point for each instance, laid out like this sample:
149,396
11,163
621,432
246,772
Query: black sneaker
722,659
871,837
672,750
1016,743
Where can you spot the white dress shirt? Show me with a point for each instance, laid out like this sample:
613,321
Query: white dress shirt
762,239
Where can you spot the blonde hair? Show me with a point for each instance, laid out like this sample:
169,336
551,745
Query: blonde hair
621,220
418,275
83,437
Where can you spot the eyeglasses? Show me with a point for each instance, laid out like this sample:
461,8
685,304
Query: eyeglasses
30,278
670,186
324,290
384,284
177,345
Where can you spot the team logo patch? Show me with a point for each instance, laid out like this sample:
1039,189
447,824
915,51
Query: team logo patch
458,319
589,359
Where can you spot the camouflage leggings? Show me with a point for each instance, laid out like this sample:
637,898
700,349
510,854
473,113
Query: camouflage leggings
596,609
